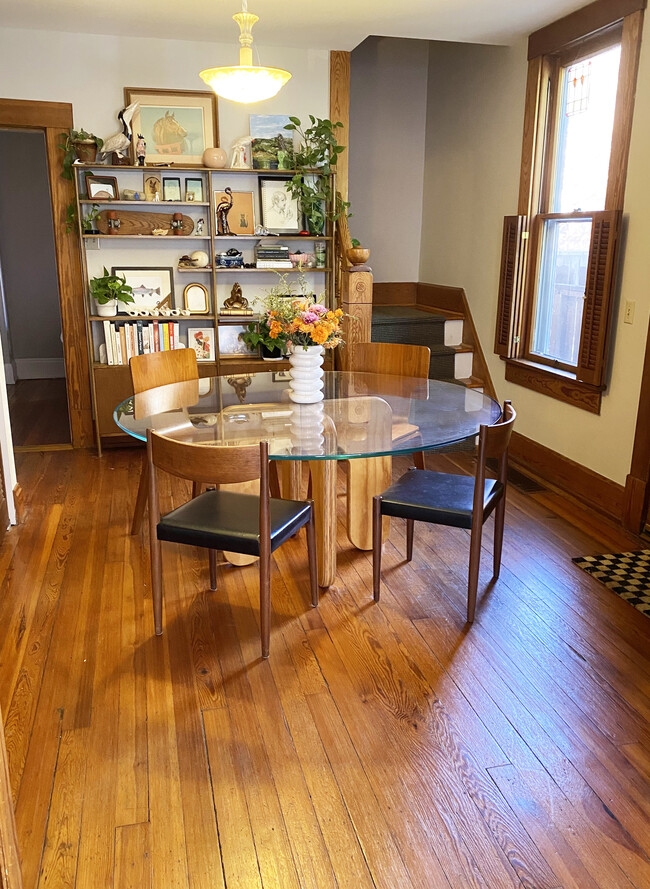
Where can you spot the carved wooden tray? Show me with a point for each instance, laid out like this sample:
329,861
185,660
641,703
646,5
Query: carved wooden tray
136,222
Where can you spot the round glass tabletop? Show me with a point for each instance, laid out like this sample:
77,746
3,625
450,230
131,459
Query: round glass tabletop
362,415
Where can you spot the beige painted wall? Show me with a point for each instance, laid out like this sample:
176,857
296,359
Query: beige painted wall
473,150
388,93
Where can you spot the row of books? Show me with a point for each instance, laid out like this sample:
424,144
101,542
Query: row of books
139,338
272,255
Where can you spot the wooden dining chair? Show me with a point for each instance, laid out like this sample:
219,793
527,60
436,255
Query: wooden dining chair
148,372
459,501
394,359
224,520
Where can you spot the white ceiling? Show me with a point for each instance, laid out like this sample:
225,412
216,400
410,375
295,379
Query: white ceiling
318,24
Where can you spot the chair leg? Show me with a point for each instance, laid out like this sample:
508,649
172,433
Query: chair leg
499,520
141,498
156,584
474,565
265,601
312,557
376,547
418,459
212,556
409,539
197,487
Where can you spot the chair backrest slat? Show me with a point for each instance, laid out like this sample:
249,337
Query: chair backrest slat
390,358
162,368
211,464
497,437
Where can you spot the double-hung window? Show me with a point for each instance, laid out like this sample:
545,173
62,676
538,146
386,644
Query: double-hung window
560,252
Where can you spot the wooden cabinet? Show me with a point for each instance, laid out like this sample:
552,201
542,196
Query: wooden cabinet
126,242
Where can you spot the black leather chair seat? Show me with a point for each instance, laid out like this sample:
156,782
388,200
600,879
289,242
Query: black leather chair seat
227,520
437,497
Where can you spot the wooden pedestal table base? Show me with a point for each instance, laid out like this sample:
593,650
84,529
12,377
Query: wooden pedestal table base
323,482
253,487
366,477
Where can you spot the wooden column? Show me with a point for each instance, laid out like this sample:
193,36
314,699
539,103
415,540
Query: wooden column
356,302
10,875
340,111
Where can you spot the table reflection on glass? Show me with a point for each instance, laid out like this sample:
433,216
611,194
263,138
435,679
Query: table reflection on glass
364,418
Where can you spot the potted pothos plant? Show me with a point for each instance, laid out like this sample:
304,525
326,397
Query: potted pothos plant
78,145
315,161
108,290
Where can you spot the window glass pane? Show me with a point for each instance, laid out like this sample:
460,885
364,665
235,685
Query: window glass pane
560,295
584,141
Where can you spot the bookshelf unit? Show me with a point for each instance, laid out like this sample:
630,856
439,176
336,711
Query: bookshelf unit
111,383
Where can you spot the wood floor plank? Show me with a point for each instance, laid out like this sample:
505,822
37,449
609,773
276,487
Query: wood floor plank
133,868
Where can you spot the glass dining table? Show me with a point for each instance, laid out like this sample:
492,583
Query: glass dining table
365,419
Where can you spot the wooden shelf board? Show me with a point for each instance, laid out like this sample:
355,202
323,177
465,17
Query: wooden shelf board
279,237
220,271
147,203
194,169
148,318
153,237
193,270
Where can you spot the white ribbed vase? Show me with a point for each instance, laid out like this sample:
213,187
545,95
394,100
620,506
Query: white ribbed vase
306,374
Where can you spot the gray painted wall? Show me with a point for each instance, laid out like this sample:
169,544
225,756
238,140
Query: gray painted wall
27,254
388,96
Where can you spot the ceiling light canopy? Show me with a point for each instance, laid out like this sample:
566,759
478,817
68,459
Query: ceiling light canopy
245,82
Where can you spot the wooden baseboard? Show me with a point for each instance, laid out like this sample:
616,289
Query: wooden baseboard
449,299
566,476
400,293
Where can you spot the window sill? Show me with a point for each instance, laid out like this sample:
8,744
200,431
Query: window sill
555,383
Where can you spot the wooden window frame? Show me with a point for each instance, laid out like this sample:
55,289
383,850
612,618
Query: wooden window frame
603,23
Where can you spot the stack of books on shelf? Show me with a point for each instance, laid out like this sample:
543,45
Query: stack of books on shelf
269,254
139,338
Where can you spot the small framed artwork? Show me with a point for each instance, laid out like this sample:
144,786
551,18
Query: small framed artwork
281,376
196,299
171,188
231,345
153,288
102,188
201,339
194,189
280,211
152,187
240,215
177,125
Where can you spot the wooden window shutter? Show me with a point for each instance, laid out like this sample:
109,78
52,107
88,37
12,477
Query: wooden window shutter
599,295
511,286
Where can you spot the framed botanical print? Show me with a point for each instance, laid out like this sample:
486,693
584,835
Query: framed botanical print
280,211
240,216
177,125
152,287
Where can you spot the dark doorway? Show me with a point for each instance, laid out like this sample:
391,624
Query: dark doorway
30,320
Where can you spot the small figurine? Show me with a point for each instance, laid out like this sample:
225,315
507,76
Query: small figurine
223,209
199,226
241,153
119,142
236,304
140,149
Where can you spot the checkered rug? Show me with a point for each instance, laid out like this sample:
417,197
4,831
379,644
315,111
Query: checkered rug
626,574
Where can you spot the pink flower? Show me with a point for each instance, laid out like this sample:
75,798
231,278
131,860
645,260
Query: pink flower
309,317
318,308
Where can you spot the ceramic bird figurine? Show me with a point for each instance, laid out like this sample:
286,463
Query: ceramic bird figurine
223,209
119,142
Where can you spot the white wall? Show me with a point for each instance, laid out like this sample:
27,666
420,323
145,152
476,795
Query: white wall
388,93
91,71
473,151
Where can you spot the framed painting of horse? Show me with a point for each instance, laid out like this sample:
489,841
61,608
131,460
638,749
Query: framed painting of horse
177,125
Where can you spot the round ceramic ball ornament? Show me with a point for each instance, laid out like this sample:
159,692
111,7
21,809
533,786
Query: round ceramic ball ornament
215,158
200,259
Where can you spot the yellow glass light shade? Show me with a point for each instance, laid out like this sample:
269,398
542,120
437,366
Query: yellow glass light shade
245,82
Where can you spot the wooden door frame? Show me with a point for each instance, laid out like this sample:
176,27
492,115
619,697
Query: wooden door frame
637,483
52,118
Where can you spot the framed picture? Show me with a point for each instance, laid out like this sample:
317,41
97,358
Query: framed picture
271,144
194,189
241,216
196,299
152,187
177,125
281,376
201,339
102,188
231,344
152,287
280,211
171,188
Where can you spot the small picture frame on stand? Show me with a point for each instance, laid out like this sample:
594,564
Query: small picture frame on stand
171,188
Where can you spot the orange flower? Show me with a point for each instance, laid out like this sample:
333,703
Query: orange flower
275,329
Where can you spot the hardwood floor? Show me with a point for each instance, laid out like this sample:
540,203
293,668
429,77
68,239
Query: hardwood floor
380,745
38,410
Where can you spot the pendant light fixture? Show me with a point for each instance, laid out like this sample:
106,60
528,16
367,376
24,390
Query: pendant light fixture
244,82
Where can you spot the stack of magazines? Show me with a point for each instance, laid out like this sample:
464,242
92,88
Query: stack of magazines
269,254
